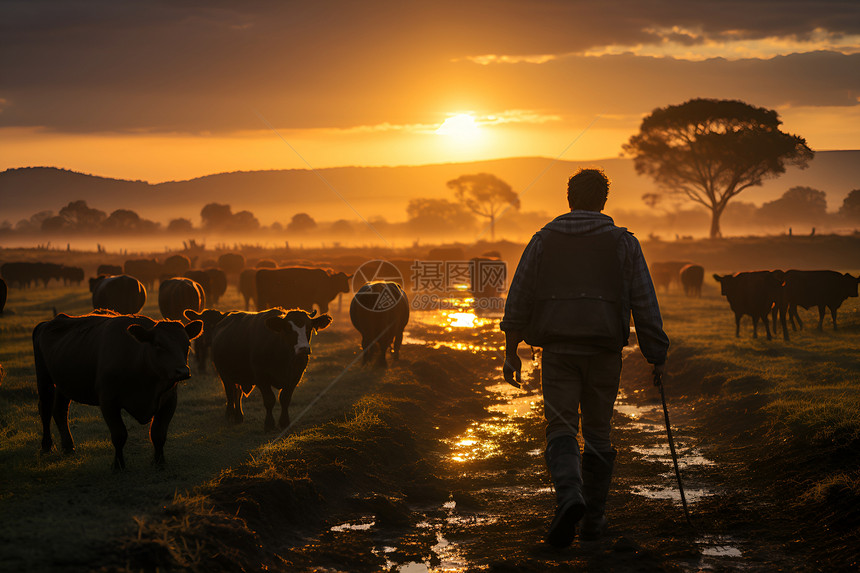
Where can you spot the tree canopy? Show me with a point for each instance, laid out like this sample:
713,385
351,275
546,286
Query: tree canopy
797,205
710,150
486,195
851,206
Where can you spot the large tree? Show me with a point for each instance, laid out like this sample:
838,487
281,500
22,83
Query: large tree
797,205
485,195
851,206
709,150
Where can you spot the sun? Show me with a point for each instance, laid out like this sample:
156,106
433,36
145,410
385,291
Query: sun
462,126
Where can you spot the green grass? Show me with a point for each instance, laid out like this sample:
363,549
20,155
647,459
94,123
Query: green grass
42,495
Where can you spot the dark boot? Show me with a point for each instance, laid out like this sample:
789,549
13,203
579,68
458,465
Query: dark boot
596,476
563,461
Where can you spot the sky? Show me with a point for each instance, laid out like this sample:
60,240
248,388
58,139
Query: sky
172,90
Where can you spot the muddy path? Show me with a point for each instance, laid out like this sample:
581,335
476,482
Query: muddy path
492,498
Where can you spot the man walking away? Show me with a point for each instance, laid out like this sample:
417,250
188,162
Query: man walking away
574,289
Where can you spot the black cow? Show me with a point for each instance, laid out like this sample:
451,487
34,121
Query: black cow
176,265
122,294
267,349
179,294
23,274
824,289
146,271
299,287
203,343
692,276
380,312
72,275
115,362
248,285
217,284
753,293
3,293
109,270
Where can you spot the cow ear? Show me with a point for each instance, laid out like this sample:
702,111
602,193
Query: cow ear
321,322
192,315
141,333
194,329
275,323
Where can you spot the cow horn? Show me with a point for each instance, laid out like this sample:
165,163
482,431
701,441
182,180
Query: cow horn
313,313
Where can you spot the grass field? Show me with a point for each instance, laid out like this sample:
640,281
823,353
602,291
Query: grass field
796,401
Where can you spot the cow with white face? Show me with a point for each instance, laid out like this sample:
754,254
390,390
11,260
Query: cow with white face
268,349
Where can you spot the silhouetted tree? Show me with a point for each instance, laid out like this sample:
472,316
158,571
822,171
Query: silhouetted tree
244,221
180,225
850,208
216,216
301,222
438,215
80,216
54,224
710,150
122,220
342,227
34,223
485,195
797,205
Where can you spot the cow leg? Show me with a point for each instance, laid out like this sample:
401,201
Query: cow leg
767,326
46,404
61,418
233,394
833,316
755,326
158,427
269,403
285,397
118,433
382,350
398,340
821,317
795,316
737,325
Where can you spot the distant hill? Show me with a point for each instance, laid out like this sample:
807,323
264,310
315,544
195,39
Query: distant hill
347,192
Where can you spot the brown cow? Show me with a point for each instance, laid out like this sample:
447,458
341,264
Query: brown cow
823,289
115,362
664,273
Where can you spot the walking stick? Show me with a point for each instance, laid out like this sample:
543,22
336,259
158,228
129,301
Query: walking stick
658,381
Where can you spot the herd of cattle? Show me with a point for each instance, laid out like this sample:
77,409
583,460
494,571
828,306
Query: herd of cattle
116,359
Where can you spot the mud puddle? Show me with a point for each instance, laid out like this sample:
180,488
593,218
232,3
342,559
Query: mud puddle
501,498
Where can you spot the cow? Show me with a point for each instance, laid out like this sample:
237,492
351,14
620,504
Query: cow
691,277
664,273
115,362
176,265
248,285
753,293
23,274
824,289
203,343
72,275
122,294
178,294
109,270
146,271
379,311
299,287
217,284
268,349
487,278
231,263
3,292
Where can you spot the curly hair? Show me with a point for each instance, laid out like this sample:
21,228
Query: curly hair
588,189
